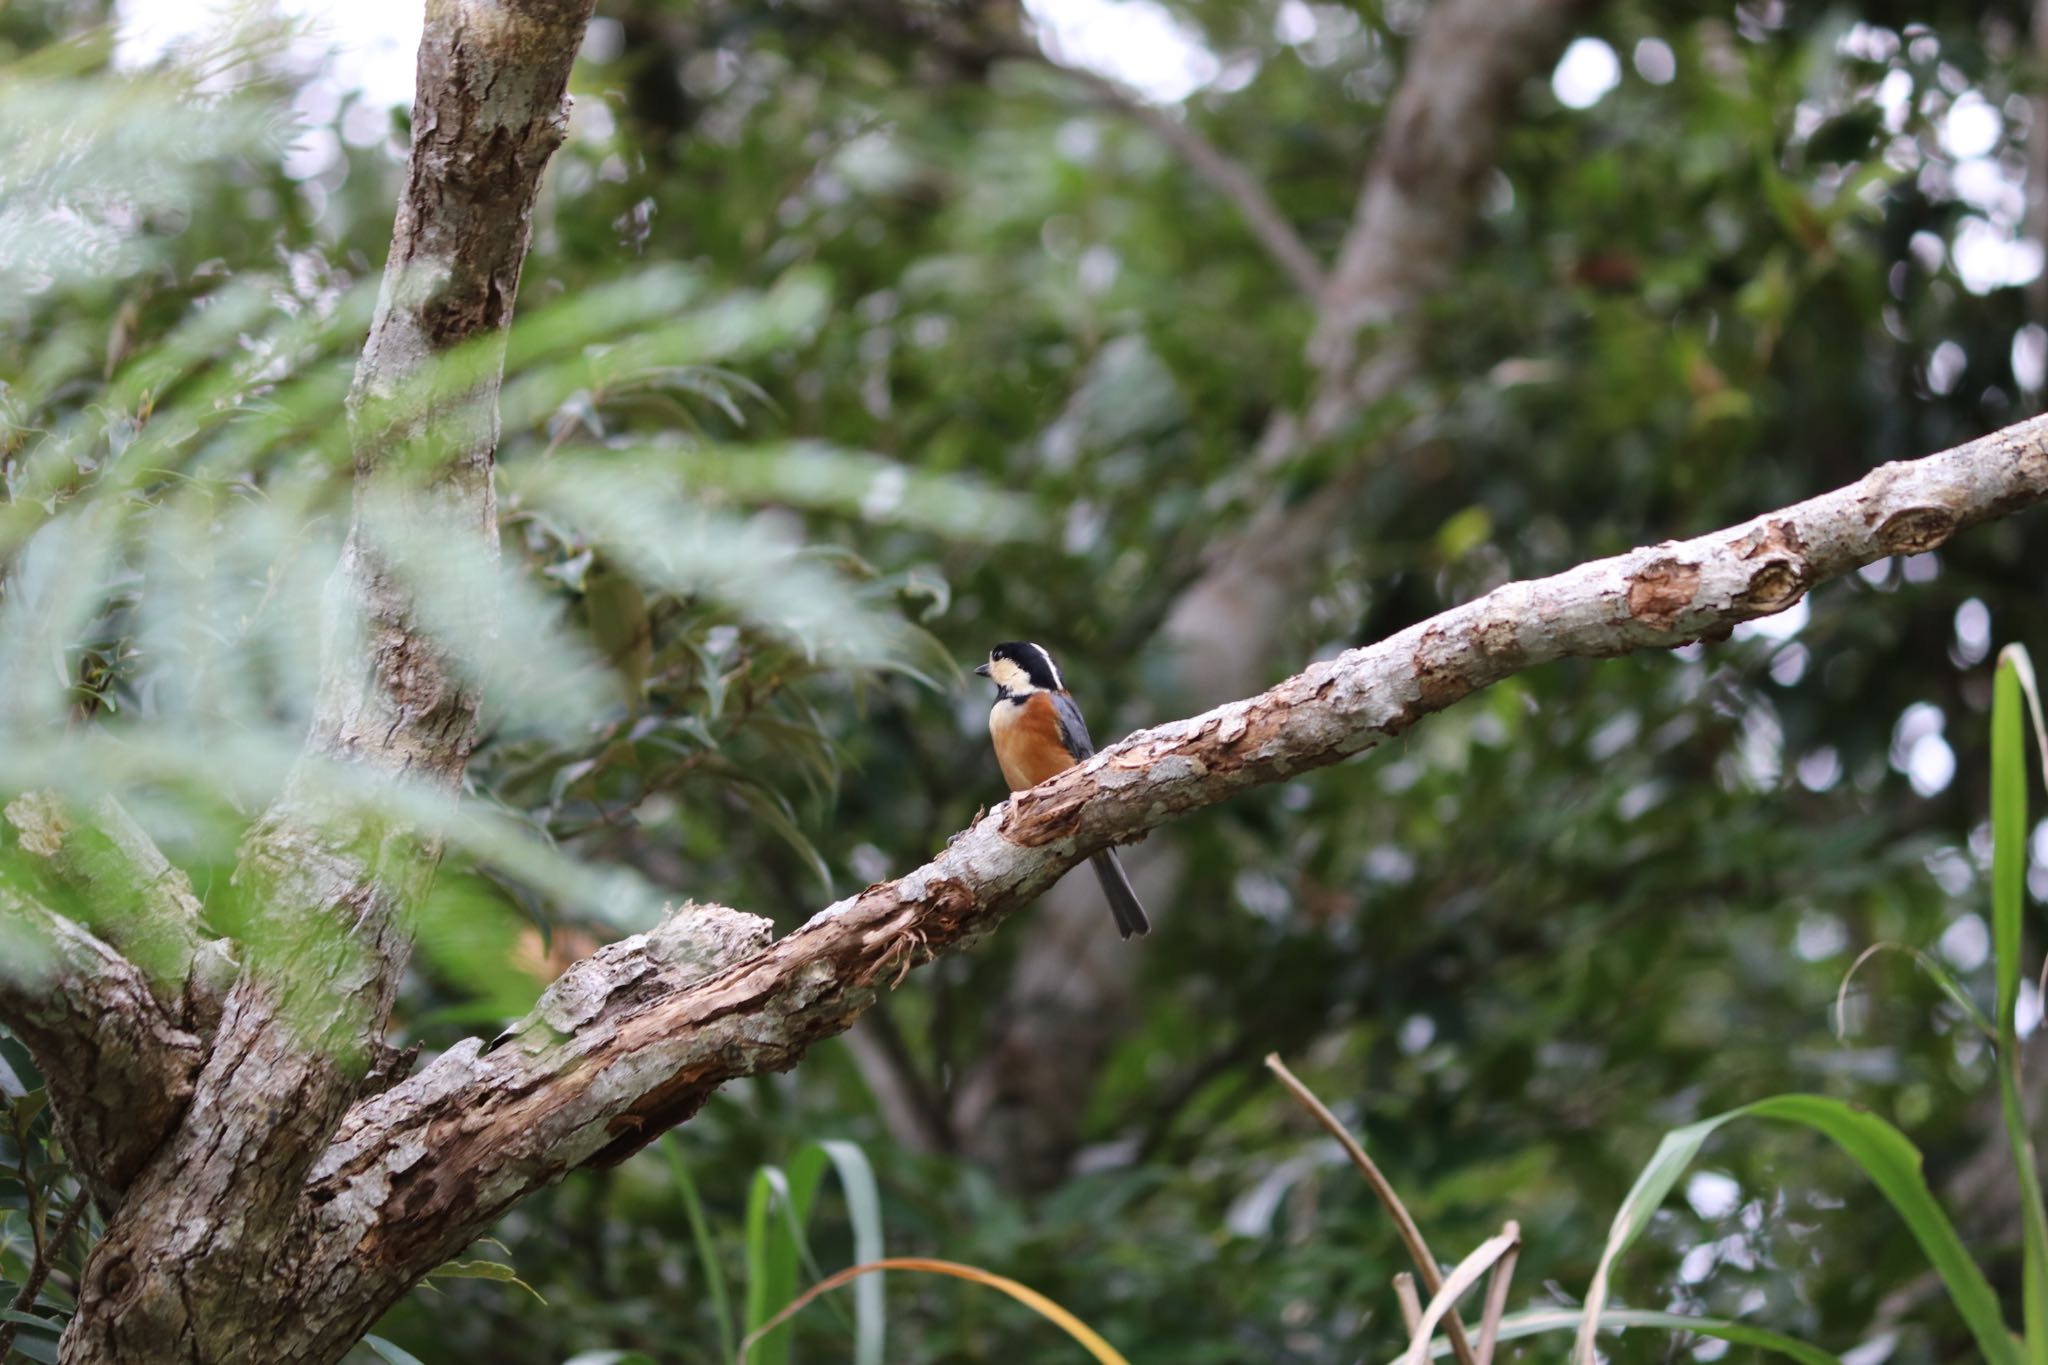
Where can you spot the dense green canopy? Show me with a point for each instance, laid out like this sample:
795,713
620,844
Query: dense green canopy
858,337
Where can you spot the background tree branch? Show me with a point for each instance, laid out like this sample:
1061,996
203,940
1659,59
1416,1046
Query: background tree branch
1021,1107
976,38
1229,177
1415,208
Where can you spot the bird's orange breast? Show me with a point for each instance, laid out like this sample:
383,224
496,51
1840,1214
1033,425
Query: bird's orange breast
1027,740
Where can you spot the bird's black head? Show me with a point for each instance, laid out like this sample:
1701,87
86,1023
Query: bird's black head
1020,667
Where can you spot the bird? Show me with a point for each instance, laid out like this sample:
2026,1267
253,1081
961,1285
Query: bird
1038,731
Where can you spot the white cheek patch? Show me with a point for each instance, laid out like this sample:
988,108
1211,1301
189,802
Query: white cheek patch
1009,676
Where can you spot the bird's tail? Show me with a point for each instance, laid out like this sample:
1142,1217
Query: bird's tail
1123,902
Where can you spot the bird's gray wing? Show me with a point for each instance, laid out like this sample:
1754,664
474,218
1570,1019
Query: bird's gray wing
1073,730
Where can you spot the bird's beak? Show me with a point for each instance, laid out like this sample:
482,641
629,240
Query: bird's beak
981,669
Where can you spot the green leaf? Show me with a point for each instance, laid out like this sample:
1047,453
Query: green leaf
27,1107
42,1348
2008,902
482,1270
648,526
772,810
776,1247
2022,664
2008,833
54,586
2033,1217
619,626
596,313
864,485
1463,532
1891,1162
396,1355
864,1211
772,1257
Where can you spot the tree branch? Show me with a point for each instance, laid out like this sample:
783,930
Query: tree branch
118,1061
976,37
133,897
1414,210
39,1270
634,1039
1464,74
1229,178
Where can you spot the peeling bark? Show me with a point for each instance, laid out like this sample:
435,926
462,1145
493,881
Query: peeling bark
119,1062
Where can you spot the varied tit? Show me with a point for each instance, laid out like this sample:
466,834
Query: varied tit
1038,731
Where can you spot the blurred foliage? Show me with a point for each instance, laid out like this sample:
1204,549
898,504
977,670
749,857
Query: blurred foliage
45,1219
848,346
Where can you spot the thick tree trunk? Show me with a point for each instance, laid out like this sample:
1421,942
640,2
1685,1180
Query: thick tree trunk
207,1257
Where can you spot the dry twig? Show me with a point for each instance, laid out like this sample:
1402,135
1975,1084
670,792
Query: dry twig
1411,1235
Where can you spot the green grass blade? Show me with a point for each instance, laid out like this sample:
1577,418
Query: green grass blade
1666,1164
2033,1218
777,1247
707,1253
1891,1162
1539,1321
797,1192
2008,835
1935,972
392,1353
2008,903
2022,665
864,1211
771,1267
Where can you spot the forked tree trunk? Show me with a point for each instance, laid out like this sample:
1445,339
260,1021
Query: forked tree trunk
206,1256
